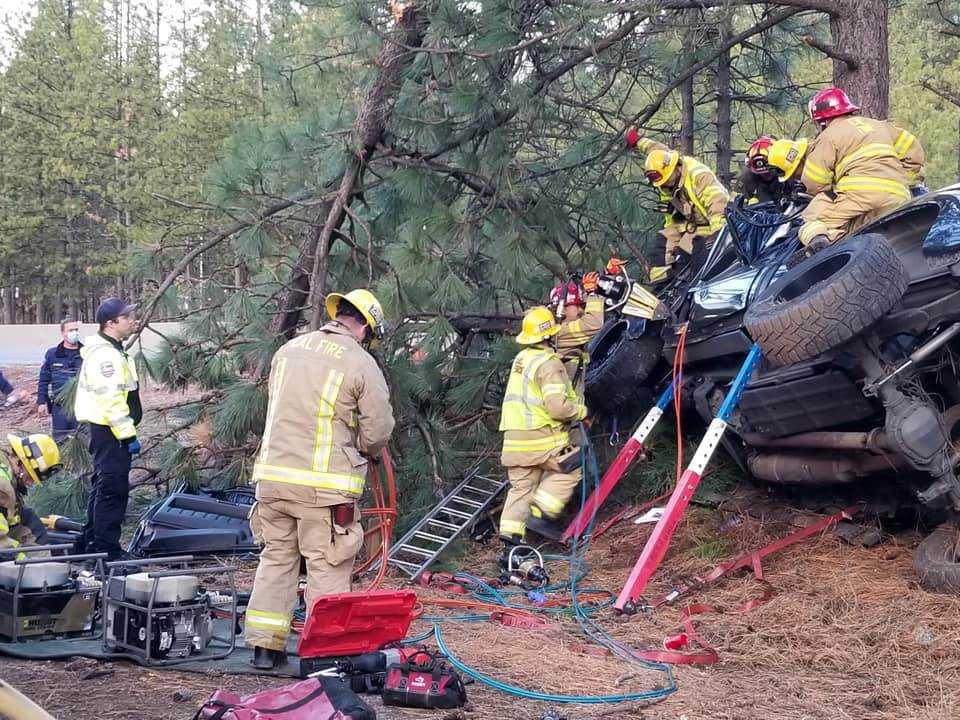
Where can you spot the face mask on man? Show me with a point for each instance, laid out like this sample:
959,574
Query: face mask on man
73,337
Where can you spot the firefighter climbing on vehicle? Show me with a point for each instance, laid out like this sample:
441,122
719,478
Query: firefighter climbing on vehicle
857,169
763,180
539,406
692,201
579,310
29,460
328,415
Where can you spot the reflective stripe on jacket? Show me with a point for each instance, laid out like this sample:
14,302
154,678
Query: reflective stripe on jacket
539,401
574,335
699,198
856,155
328,408
106,378
911,154
9,507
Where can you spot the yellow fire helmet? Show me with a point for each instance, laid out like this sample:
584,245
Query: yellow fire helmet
368,305
660,165
786,156
38,453
538,325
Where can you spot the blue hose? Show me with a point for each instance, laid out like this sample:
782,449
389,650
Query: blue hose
578,571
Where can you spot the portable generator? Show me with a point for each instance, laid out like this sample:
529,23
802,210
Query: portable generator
43,598
166,616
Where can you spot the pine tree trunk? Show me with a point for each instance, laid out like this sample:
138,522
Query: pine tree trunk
859,30
724,125
9,314
307,282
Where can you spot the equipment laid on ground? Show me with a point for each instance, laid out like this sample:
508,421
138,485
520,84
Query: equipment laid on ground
656,546
165,617
202,522
352,624
456,512
524,568
365,673
328,698
424,681
44,599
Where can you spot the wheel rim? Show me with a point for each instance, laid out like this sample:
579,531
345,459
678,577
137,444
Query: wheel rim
813,276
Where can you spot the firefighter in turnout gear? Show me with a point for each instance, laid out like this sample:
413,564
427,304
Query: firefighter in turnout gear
857,170
29,460
766,176
539,405
579,310
108,400
692,200
328,414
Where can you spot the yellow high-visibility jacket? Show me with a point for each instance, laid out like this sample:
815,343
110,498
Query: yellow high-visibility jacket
699,200
328,411
106,378
574,336
857,155
538,404
10,507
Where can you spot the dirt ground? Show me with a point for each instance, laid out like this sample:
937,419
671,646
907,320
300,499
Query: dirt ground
846,633
842,632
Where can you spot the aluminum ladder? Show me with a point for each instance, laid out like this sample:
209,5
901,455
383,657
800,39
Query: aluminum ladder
434,532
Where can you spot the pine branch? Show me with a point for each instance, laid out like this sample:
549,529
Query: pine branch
831,52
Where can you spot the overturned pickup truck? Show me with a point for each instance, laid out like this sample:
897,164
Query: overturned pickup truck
860,380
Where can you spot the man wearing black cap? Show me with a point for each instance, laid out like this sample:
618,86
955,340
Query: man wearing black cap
108,400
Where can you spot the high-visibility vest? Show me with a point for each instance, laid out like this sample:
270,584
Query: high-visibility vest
523,404
693,169
106,377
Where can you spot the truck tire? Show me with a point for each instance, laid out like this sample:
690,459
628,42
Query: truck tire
618,366
935,559
827,299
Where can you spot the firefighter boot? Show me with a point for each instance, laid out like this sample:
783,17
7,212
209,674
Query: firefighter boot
266,659
816,244
544,525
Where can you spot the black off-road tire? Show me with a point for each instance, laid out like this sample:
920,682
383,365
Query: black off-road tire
936,559
618,366
827,299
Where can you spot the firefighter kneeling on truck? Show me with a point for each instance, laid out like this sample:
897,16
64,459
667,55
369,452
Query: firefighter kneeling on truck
328,414
539,405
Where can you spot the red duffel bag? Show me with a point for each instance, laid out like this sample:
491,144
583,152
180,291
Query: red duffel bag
328,698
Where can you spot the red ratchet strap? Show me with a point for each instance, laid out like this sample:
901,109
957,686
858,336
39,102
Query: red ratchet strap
441,581
754,560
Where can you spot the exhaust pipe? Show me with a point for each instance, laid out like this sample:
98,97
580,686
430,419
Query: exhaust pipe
874,441
810,469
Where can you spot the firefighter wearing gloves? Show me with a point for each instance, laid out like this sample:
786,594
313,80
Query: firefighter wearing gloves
29,460
692,199
328,413
108,401
538,406
579,310
856,169
769,175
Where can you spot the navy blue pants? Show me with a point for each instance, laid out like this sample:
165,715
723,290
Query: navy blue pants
63,426
109,491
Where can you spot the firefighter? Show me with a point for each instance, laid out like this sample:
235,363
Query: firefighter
538,406
856,170
328,414
692,199
762,180
108,401
579,310
29,460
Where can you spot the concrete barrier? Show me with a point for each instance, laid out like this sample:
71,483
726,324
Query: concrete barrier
26,344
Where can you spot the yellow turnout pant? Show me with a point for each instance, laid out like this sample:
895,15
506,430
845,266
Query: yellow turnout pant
288,530
541,485
844,214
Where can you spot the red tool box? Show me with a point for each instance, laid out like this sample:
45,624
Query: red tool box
356,623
